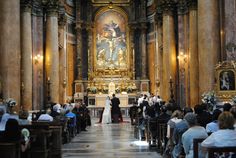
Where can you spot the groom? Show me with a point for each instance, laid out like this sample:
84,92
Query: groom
115,111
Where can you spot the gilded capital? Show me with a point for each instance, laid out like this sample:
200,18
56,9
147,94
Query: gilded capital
52,7
62,17
182,6
26,5
167,6
37,7
159,15
192,4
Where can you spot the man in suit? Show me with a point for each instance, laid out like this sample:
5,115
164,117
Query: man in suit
115,110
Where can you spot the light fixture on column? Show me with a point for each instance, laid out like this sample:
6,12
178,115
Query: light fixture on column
64,83
37,58
182,61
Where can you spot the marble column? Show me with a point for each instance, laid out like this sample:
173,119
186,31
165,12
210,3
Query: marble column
37,30
90,50
10,50
169,50
26,52
62,56
52,52
159,52
193,55
144,51
208,43
132,28
183,86
79,50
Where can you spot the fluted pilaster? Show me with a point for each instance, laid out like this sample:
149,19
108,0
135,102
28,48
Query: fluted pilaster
26,51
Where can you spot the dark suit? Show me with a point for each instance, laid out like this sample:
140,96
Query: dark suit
115,110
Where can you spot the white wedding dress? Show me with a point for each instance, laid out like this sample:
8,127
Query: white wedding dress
106,116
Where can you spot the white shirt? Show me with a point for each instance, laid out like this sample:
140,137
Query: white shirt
221,138
140,100
45,117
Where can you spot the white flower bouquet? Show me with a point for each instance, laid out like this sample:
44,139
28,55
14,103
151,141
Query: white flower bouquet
210,99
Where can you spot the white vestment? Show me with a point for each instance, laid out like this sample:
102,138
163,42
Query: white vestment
106,116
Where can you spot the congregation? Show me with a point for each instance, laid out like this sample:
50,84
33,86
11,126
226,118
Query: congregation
216,128
26,132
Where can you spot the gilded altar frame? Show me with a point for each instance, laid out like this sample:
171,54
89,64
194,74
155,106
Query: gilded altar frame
115,69
225,76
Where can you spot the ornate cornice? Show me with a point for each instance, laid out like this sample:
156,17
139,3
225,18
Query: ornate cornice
182,6
192,4
26,5
168,6
37,8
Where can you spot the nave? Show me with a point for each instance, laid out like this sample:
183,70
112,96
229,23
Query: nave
107,141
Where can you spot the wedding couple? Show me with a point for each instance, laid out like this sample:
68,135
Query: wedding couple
111,111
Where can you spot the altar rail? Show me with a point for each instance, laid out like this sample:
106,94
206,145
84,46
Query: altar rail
97,111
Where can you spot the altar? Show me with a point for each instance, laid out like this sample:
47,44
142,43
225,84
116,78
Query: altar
96,103
100,100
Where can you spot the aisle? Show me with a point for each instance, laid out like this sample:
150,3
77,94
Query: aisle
107,141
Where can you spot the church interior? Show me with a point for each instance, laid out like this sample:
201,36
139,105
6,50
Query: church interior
74,53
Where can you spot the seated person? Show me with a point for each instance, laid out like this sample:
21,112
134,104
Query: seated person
233,111
23,116
225,136
46,116
13,133
227,107
70,114
133,112
176,117
56,110
213,126
203,116
194,131
5,116
179,129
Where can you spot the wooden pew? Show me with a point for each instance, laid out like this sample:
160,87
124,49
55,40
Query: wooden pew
162,131
196,142
212,150
10,150
40,144
55,139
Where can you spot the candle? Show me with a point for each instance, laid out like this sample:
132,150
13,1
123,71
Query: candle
48,78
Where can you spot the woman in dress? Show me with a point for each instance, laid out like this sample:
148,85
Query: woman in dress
106,116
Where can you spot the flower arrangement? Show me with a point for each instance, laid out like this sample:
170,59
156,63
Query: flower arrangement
210,99
93,90
234,100
11,102
117,89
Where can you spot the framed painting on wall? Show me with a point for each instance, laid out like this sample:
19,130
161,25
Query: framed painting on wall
225,80
111,39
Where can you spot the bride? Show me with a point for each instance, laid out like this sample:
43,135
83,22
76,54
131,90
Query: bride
106,116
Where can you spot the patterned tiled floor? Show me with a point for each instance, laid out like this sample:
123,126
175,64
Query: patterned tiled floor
108,141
